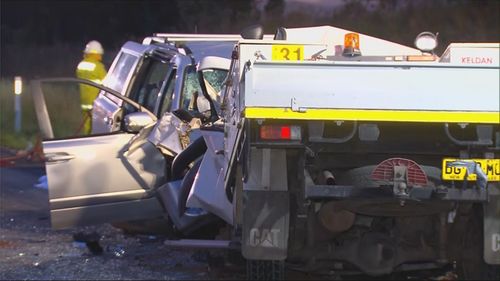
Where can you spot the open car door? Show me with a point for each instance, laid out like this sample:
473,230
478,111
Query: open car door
96,178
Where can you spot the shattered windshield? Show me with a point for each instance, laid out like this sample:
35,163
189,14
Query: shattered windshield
215,77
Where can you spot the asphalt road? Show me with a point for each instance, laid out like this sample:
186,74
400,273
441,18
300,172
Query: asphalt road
31,250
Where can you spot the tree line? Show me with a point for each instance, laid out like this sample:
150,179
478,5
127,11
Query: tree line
31,28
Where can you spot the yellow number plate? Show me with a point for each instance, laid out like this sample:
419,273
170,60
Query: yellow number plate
491,168
288,52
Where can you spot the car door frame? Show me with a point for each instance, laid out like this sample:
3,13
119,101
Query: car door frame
41,106
108,109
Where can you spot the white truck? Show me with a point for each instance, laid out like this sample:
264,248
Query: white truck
345,152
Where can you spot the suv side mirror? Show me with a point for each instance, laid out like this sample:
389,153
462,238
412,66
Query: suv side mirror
134,122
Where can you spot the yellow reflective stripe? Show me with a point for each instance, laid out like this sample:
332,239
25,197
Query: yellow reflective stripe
86,107
97,81
87,66
375,115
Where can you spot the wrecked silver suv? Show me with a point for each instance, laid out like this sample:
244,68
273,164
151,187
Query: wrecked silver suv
149,109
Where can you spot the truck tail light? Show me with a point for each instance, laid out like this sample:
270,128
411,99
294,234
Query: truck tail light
280,132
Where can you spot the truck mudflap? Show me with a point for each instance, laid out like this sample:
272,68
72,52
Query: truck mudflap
265,225
492,226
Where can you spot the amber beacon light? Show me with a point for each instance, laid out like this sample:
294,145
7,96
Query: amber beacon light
351,45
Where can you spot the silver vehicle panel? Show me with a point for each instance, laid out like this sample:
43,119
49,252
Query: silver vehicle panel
99,167
208,191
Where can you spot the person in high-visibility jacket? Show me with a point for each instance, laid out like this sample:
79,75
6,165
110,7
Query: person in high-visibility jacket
90,68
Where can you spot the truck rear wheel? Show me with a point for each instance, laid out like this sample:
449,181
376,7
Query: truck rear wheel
471,265
265,270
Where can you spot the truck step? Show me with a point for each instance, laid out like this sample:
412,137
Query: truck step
202,244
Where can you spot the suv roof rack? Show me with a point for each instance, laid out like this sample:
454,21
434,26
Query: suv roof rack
186,37
172,37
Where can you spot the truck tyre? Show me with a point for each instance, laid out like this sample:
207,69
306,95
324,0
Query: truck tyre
265,270
470,263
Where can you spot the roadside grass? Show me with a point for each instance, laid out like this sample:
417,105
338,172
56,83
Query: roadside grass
29,127
62,104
